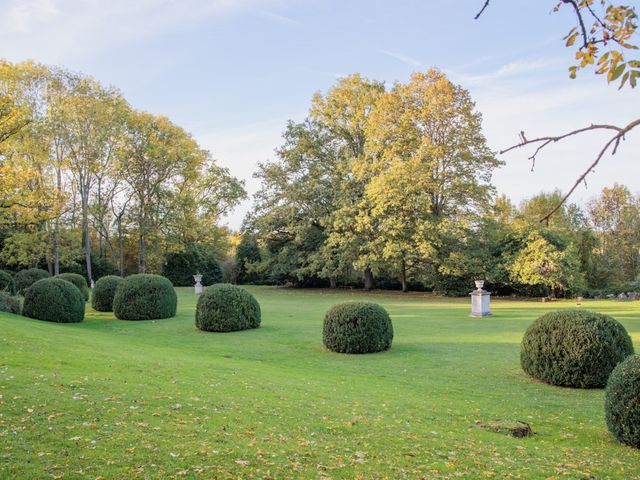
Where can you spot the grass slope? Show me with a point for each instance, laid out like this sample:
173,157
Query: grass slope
160,399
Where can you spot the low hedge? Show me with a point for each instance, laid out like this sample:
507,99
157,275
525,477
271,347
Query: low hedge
54,300
145,297
25,278
357,327
7,284
622,401
574,348
103,293
10,303
226,308
79,281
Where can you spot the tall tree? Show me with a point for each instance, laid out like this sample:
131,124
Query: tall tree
427,171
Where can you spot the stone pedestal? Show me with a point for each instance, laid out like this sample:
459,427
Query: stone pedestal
480,301
198,279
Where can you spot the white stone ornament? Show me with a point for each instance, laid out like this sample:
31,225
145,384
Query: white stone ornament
198,279
480,301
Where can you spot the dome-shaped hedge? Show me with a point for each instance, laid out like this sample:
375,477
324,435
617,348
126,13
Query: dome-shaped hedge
227,308
25,278
9,303
145,297
79,281
622,401
103,293
575,348
357,327
54,300
7,284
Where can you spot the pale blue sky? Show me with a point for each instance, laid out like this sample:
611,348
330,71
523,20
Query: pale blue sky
233,71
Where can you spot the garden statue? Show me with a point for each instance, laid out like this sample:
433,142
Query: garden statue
198,278
480,300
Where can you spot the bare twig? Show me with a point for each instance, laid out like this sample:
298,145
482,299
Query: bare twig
484,7
543,142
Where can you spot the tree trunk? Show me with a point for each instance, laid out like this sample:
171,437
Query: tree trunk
403,276
121,245
333,283
368,279
56,229
86,241
142,257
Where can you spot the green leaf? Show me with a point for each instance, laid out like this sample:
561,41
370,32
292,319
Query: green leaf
617,72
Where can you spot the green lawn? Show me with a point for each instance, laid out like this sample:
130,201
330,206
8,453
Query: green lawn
160,399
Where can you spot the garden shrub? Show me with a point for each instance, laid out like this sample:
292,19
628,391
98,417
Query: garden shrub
145,297
180,267
227,308
25,278
79,281
103,293
7,284
54,300
357,327
574,348
9,303
622,401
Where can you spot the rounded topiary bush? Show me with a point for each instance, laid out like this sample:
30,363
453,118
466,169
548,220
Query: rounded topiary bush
79,281
103,293
7,284
54,300
357,327
574,348
622,401
227,308
25,278
9,303
145,297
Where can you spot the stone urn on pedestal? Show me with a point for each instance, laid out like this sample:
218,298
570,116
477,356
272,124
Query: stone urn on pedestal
198,279
480,301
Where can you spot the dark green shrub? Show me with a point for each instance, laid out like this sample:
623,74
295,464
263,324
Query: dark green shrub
7,284
622,401
357,327
227,308
574,348
145,297
25,278
9,303
180,267
103,293
79,281
54,300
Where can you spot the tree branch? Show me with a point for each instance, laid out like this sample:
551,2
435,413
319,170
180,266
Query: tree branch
484,7
543,142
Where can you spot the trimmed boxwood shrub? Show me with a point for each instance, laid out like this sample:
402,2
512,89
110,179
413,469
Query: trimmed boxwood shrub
227,308
25,278
9,303
103,293
79,281
145,297
54,300
574,348
622,401
357,327
7,284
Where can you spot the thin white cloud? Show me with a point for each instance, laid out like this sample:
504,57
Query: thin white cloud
277,18
508,70
55,30
403,58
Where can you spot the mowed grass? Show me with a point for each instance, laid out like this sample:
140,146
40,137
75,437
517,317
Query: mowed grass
159,399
